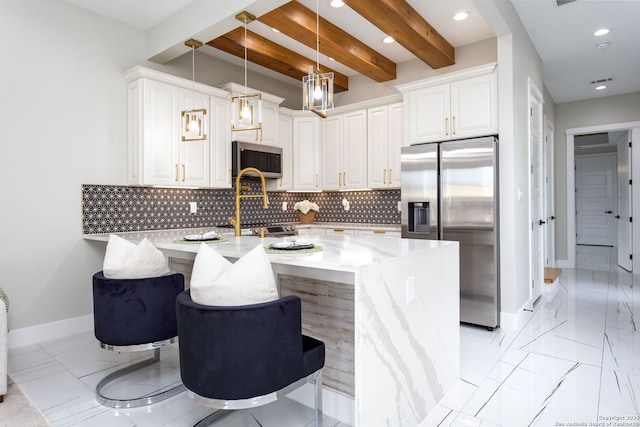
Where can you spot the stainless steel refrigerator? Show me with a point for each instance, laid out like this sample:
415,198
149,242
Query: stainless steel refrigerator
450,192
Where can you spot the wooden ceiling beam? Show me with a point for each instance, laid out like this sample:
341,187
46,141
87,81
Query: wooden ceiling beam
399,20
268,54
298,22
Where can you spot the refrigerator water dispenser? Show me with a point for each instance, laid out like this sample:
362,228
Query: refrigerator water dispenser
418,217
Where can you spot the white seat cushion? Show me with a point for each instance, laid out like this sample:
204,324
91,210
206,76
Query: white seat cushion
126,260
216,281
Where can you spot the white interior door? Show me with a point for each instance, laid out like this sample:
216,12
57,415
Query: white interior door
595,200
549,205
623,215
536,188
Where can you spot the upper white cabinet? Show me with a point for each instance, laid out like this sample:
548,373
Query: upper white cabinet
157,153
306,152
270,117
384,139
458,105
344,151
284,141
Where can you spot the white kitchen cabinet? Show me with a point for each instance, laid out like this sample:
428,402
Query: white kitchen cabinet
377,233
220,137
458,105
284,141
339,230
270,117
344,148
157,154
306,152
384,139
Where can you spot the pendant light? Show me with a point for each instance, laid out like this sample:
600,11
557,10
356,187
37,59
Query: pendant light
317,88
246,109
193,121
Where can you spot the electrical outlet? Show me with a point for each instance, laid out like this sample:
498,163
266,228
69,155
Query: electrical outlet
193,207
284,206
399,206
411,290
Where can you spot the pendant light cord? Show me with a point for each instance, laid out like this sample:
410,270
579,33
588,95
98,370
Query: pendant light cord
193,66
318,35
245,56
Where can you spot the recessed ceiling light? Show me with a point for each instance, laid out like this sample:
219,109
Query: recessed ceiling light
337,3
275,30
602,45
330,58
601,32
460,16
601,87
388,39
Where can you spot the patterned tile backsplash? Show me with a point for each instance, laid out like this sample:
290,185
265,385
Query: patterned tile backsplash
115,208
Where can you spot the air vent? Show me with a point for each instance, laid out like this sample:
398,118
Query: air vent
597,82
563,2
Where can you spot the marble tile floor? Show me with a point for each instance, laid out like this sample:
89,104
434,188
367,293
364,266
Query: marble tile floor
576,360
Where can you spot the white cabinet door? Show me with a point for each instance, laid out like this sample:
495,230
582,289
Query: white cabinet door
160,133
384,137
429,110
332,152
284,141
306,153
220,138
194,155
269,133
354,173
396,141
474,107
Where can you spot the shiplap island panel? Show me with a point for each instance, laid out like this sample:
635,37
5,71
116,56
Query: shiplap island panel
406,351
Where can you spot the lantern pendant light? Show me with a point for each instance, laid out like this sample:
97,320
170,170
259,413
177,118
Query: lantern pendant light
317,88
193,121
246,109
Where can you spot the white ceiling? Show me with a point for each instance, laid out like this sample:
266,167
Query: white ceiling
562,35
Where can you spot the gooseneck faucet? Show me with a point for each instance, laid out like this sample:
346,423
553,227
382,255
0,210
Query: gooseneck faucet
265,199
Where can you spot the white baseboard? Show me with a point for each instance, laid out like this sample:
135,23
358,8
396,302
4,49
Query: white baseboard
50,331
514,321
335,405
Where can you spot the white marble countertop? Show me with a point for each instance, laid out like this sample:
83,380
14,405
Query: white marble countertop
340,253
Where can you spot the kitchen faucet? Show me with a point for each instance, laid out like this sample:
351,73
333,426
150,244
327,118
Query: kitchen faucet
265,199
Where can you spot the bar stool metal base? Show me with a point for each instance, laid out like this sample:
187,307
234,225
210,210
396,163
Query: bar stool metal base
141,401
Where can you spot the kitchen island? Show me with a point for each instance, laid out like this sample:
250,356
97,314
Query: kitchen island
387,309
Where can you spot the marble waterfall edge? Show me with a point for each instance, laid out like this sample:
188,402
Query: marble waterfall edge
408,350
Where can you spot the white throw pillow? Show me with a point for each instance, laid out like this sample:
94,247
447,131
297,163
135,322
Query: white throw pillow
126,260
216,281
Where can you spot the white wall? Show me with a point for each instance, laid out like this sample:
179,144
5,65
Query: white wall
517,62
578,114
62,124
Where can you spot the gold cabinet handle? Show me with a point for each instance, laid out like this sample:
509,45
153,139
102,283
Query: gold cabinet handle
446,125
177,177
384,177
344,179
339,179
338,230
379,232
390,176
316,180
184,173
453,125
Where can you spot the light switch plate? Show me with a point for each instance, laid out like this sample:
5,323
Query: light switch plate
193,207
399,206
284,206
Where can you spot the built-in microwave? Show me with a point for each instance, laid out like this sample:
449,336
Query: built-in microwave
266,158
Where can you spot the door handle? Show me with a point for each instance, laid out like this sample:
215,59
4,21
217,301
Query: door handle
617,217
541,222
608,212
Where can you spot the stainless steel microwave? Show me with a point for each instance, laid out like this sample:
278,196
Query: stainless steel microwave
266,158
